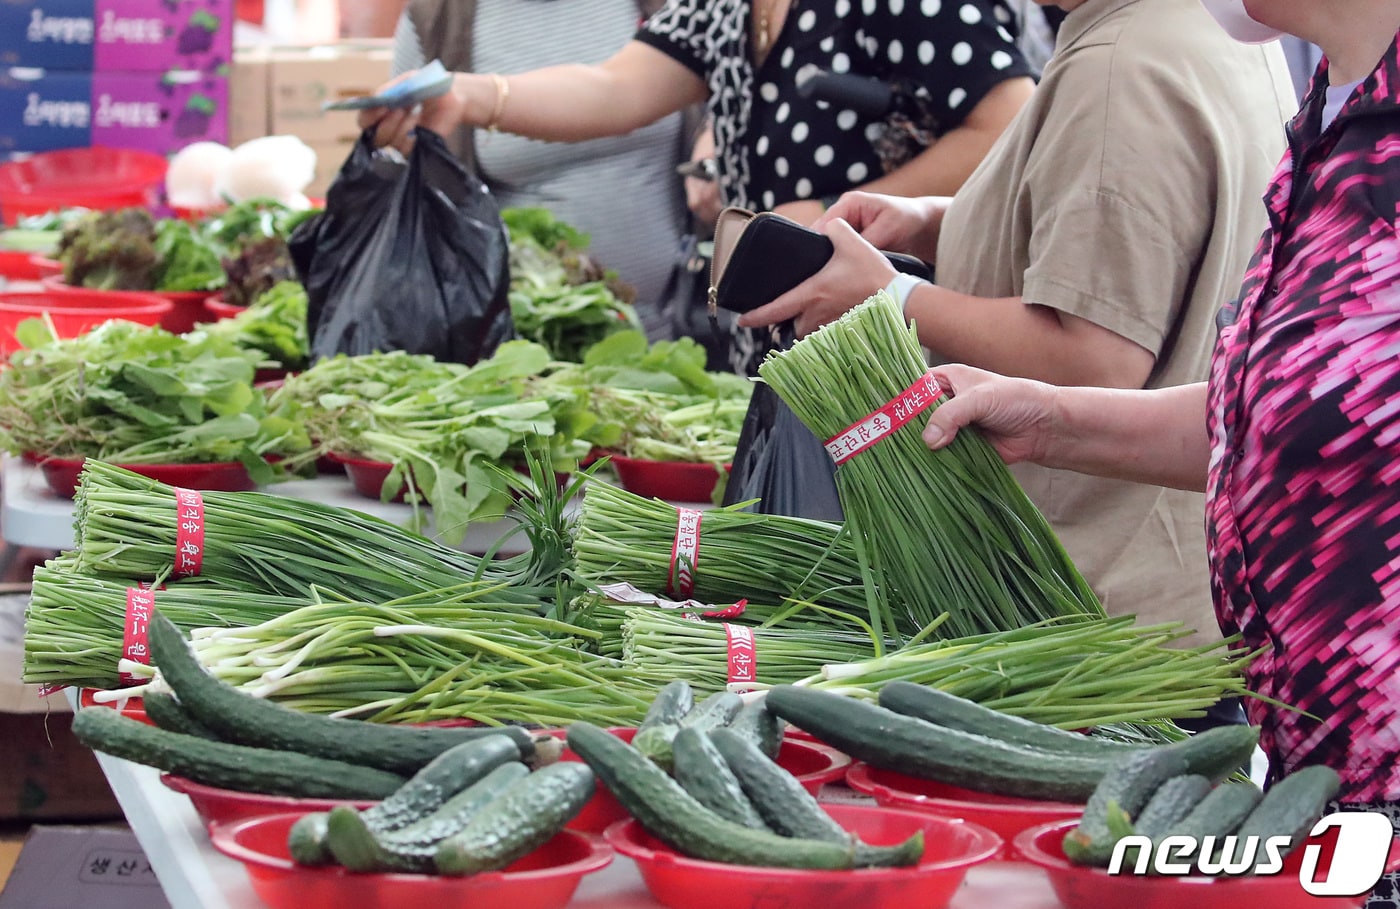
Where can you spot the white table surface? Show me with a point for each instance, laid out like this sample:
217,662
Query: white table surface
196,876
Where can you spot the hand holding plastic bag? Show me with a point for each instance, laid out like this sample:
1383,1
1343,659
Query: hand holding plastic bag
406,257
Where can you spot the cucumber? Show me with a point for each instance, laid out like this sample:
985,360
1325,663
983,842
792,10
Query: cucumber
671,815
885,739
1218,752
243,719
523,818
1291,807
675,699
167,713
307,840
1217,815
701,770
1125,789
229,766
788,808
953,712
1173,800
353,842
759,725
447,774
656,741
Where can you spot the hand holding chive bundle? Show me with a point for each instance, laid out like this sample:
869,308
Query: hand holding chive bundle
942,530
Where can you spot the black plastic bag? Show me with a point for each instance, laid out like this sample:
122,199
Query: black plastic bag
406,257
780,462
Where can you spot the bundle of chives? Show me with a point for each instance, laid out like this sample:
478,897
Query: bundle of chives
1068,673
126,525
411,661
621,537
75,623
662,644
947,530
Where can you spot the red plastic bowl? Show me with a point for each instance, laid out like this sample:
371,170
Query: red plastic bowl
225,806
75,312
544,879
187,307
367,476
215,309
18,265
227,476
1080,887
87,177
813,764
674,481
1003,815
950,848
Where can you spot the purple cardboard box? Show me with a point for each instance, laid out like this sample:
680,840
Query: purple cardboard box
123,35
157,112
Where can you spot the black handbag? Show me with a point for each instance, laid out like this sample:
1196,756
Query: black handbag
760,257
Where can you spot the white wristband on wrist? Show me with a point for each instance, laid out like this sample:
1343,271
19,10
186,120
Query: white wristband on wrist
900,286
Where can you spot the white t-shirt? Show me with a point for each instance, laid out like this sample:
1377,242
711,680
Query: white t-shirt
1337,95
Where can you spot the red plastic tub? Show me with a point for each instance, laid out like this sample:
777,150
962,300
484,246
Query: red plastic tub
186,306
1003,815
674,481
19,265
98,177
813,764
544,879
75,312
1081,887
225,806
367,476
227,476
215,309
951,847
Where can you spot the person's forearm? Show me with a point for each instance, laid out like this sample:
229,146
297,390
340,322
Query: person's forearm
1006,336
1155,436
942,168
573,102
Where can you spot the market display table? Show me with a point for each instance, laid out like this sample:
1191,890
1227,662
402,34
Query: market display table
195,876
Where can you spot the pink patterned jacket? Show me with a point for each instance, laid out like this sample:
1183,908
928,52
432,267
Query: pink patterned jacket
1303,507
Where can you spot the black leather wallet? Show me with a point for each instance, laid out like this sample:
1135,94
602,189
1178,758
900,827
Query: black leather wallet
759,257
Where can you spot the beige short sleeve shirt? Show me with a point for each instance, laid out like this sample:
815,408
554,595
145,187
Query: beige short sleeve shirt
1128,192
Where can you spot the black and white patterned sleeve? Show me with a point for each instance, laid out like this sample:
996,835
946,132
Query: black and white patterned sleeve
678,30
959,50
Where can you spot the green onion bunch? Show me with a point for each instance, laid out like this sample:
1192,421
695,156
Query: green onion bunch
125,527
663,644
949,530
622,537
417,661
1068,673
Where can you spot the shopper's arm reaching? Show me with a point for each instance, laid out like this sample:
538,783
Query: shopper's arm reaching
1153,436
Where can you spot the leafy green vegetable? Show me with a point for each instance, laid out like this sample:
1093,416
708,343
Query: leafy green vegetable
260,264
30,240
140,395
187,261
250,220
111,250
274,326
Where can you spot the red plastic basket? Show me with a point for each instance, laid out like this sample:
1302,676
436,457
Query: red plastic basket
1082,887
1003,815
18,265
951,847
215,308
75,312
674,481
61,475
98,177
225,806
544,879
186,306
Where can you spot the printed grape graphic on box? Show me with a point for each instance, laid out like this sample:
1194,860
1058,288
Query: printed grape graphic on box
125,35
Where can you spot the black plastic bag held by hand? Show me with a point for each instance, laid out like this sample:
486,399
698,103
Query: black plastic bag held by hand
780,462
411,258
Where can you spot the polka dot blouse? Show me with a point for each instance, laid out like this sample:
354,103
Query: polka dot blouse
775,146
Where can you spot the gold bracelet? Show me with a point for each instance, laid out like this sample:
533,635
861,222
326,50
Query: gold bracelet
502,93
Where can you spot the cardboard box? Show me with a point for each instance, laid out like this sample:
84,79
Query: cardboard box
329,158
122,35
49,774
301,79
43,110
82,867
249,88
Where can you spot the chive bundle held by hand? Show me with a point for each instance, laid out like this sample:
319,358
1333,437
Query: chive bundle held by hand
949,530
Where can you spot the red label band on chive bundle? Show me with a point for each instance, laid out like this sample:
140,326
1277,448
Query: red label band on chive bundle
862,434
139,603
189,533
685,552
743,655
